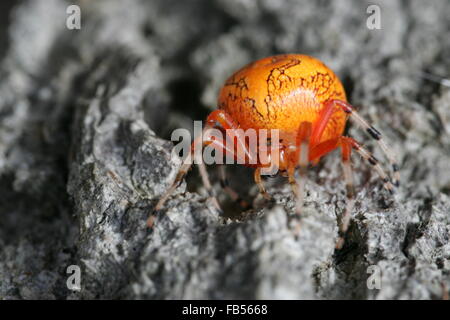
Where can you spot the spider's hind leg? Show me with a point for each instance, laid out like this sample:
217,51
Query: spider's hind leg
347,144
230,191
302,159
375,134
346,148
260,184
370,158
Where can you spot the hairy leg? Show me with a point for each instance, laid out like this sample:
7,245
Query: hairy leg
368,156
292,180
375,134
233,131
187,164
302,156
220,117
346,148
231,192
260,184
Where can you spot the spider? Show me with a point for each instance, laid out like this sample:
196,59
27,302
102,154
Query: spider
306,102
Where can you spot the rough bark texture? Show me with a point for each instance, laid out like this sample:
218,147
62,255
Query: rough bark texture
85,117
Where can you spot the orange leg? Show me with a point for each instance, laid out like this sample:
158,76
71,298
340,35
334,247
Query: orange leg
282,159
260,184
302,159
221,117
291,179
233,131
319,149
322,121
322,149
204,139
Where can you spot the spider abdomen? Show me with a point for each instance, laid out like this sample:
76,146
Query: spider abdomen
280,92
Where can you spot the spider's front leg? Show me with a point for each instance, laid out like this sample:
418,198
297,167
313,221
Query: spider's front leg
197,144
234,146
241,152
216,119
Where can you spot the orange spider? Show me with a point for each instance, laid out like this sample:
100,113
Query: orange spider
306,102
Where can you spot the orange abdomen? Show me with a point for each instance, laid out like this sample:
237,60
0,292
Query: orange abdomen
280,92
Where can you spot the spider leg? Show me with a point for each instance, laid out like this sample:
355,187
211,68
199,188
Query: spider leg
180,175
187,164
231,192
205,178
302,154
292,180
241,153
273,162
198,142
217,116
368,156
375,134
322,122
223,147
346,148
233,131
260,184
322,148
